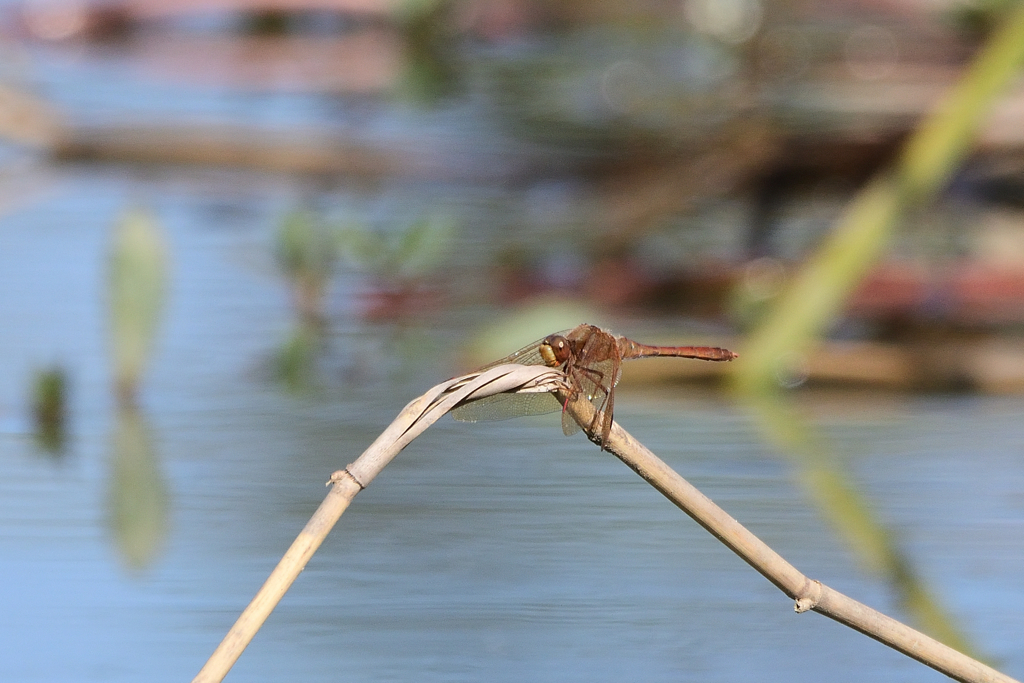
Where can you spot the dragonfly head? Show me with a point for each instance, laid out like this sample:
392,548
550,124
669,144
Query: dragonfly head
554,350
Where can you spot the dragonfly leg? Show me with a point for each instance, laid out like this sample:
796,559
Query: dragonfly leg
569,398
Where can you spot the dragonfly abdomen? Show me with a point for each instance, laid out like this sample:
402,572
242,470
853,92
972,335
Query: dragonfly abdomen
631,349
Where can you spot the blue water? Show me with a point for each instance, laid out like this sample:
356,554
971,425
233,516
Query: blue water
485,552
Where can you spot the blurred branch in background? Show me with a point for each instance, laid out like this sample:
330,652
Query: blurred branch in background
634,200
292,151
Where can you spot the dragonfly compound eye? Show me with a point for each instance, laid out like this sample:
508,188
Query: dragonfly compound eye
555,350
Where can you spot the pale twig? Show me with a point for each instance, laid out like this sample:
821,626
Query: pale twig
346,483
808,594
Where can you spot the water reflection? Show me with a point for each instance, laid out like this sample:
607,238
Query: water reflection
138,503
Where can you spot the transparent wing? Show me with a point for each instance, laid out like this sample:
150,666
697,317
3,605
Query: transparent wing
528,355
594,371
506,406
569,425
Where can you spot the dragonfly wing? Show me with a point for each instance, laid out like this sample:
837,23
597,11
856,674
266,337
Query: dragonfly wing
506,407
528,355
595,381
569,425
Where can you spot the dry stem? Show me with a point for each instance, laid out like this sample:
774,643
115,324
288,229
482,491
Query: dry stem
346,483
808,594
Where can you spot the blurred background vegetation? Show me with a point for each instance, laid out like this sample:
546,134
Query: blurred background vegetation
665,159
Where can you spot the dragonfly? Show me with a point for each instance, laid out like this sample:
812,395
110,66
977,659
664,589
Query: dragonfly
591,359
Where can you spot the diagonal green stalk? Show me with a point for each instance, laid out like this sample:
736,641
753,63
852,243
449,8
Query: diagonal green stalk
819,290
817,293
